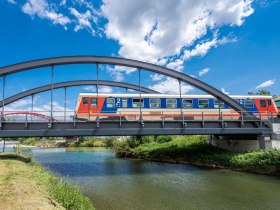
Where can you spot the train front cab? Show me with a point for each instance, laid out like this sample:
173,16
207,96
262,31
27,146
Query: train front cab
88,108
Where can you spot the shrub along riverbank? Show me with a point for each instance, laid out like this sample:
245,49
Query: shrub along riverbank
26,185
61,142
195,150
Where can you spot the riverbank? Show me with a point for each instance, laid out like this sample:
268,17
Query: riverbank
75,142
195,150
26,185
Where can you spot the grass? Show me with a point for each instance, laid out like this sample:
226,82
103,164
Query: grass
195,150
28,185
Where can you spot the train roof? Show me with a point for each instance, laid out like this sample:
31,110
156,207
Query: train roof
145,95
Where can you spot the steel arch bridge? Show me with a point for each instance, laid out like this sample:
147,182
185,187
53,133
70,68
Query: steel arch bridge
71,84
253,126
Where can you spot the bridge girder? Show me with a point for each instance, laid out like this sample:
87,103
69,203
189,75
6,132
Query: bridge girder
71,84
128,63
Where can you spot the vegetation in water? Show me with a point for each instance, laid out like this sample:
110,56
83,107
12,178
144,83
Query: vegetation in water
196,150
33,181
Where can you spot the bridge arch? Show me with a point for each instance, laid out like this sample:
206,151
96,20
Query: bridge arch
71,84
128,63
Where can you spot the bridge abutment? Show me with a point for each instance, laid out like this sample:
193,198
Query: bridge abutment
248,143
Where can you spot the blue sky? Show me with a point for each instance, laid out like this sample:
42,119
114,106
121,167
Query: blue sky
233,45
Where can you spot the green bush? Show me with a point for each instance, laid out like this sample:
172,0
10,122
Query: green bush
28,141
110,142
162,139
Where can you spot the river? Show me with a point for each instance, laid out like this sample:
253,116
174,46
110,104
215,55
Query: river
122,184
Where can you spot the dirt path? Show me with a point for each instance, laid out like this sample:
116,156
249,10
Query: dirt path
20,187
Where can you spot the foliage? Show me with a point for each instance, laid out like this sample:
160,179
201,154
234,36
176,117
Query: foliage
68,195
88,142
161,139
27,141
110,141
196,150
260,92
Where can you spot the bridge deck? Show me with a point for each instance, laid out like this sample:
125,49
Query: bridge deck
117,128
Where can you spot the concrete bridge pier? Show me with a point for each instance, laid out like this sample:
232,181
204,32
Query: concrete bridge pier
243,143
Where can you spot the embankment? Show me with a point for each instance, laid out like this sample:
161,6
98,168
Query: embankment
195,150
26,185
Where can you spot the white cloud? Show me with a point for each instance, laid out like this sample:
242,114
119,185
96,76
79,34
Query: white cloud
90,88
44,11
171,86
156,77
224,91
83,20
105,89
101,89
200,49
63,2
266,84
159,31
118,72
203,71
176,65
12,1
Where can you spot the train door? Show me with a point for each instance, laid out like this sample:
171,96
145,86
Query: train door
93,106
96,105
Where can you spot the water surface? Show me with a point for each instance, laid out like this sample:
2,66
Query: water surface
122,184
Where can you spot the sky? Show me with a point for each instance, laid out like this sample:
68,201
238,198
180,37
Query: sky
233,45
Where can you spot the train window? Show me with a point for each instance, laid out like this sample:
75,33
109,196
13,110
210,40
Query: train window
171,103
124,102
85,101
187,103
110,102
154,103
268,102
94,102
136,102
263,104
218,104
249,103
203,103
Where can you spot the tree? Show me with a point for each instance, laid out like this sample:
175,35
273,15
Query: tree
260,92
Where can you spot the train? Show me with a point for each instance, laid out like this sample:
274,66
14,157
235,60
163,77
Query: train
124,106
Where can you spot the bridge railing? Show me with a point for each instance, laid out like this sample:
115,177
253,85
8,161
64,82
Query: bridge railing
164,116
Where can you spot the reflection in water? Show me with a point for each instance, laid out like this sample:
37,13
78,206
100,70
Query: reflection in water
113,183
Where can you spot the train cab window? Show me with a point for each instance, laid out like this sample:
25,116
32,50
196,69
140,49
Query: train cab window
124,102
136,102
203,103
277,103
249,103
85,101
268,102
187,103
155,103
93,102
110,102
263,103
171,103
218,104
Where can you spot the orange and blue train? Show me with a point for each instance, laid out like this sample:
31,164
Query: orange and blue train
156,106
